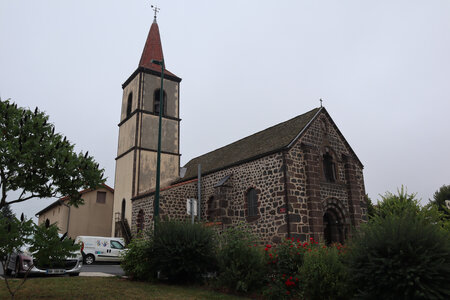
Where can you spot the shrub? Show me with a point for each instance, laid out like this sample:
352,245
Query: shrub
400,204
401,256
282,287
284,261
323,274
287,257
136,261
182,252
242,266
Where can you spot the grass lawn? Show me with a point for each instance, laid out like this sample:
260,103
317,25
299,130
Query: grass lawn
105,288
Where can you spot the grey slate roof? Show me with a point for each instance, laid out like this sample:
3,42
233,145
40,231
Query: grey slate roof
259,144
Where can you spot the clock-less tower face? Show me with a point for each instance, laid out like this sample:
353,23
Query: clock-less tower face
138,130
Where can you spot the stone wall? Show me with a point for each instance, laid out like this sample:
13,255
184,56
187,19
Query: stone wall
265,175
292,191
322,136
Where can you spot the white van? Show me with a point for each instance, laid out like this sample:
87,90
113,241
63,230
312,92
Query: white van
98,248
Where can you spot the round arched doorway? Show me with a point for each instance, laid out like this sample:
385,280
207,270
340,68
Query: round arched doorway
333,228
335,222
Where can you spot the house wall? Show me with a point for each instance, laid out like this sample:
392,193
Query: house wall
56,215
91,218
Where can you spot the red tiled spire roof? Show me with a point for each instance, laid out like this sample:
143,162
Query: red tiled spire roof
153,50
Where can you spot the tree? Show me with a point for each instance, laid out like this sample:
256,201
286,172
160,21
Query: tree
438,207
44,243
6,212
370,207
398,204
14,234
439,198
38,162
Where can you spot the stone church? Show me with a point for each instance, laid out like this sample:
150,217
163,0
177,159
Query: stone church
299,178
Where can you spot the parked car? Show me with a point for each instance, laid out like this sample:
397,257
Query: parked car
99,248
20,262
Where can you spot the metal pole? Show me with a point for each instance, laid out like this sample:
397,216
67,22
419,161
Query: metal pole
192,210
199,191
158,157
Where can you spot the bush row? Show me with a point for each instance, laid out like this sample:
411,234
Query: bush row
403,252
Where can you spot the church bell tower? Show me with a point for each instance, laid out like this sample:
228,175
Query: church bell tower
138,131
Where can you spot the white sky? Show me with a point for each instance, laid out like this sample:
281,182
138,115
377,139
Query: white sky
382,68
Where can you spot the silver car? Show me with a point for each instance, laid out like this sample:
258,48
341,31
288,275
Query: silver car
20,262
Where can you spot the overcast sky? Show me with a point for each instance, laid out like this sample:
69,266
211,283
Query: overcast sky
381,67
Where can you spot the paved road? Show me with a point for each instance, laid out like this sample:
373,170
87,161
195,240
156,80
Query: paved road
112,269
96,269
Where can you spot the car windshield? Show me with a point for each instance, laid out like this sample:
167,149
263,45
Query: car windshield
116,245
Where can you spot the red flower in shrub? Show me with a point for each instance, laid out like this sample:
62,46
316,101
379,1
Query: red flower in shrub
289,283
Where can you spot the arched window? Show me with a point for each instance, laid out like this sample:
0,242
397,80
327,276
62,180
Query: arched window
129,104
329,168
140,220
122,217
252,203
156,102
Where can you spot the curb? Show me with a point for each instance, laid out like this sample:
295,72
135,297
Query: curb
96,274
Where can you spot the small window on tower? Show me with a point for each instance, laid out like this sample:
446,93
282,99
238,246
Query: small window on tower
101,197
129,104
157,100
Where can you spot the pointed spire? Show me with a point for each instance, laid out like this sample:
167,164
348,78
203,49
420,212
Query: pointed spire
153,50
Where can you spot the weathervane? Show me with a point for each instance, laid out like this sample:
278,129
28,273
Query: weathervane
155,9
320,102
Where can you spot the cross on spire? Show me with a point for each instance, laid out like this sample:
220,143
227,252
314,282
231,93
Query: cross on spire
155,9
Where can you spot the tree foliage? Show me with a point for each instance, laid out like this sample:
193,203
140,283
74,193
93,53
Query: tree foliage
397,204
45,245
6,212
370,207
439,198
39,163
401,253
182,251
241,265
49,249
